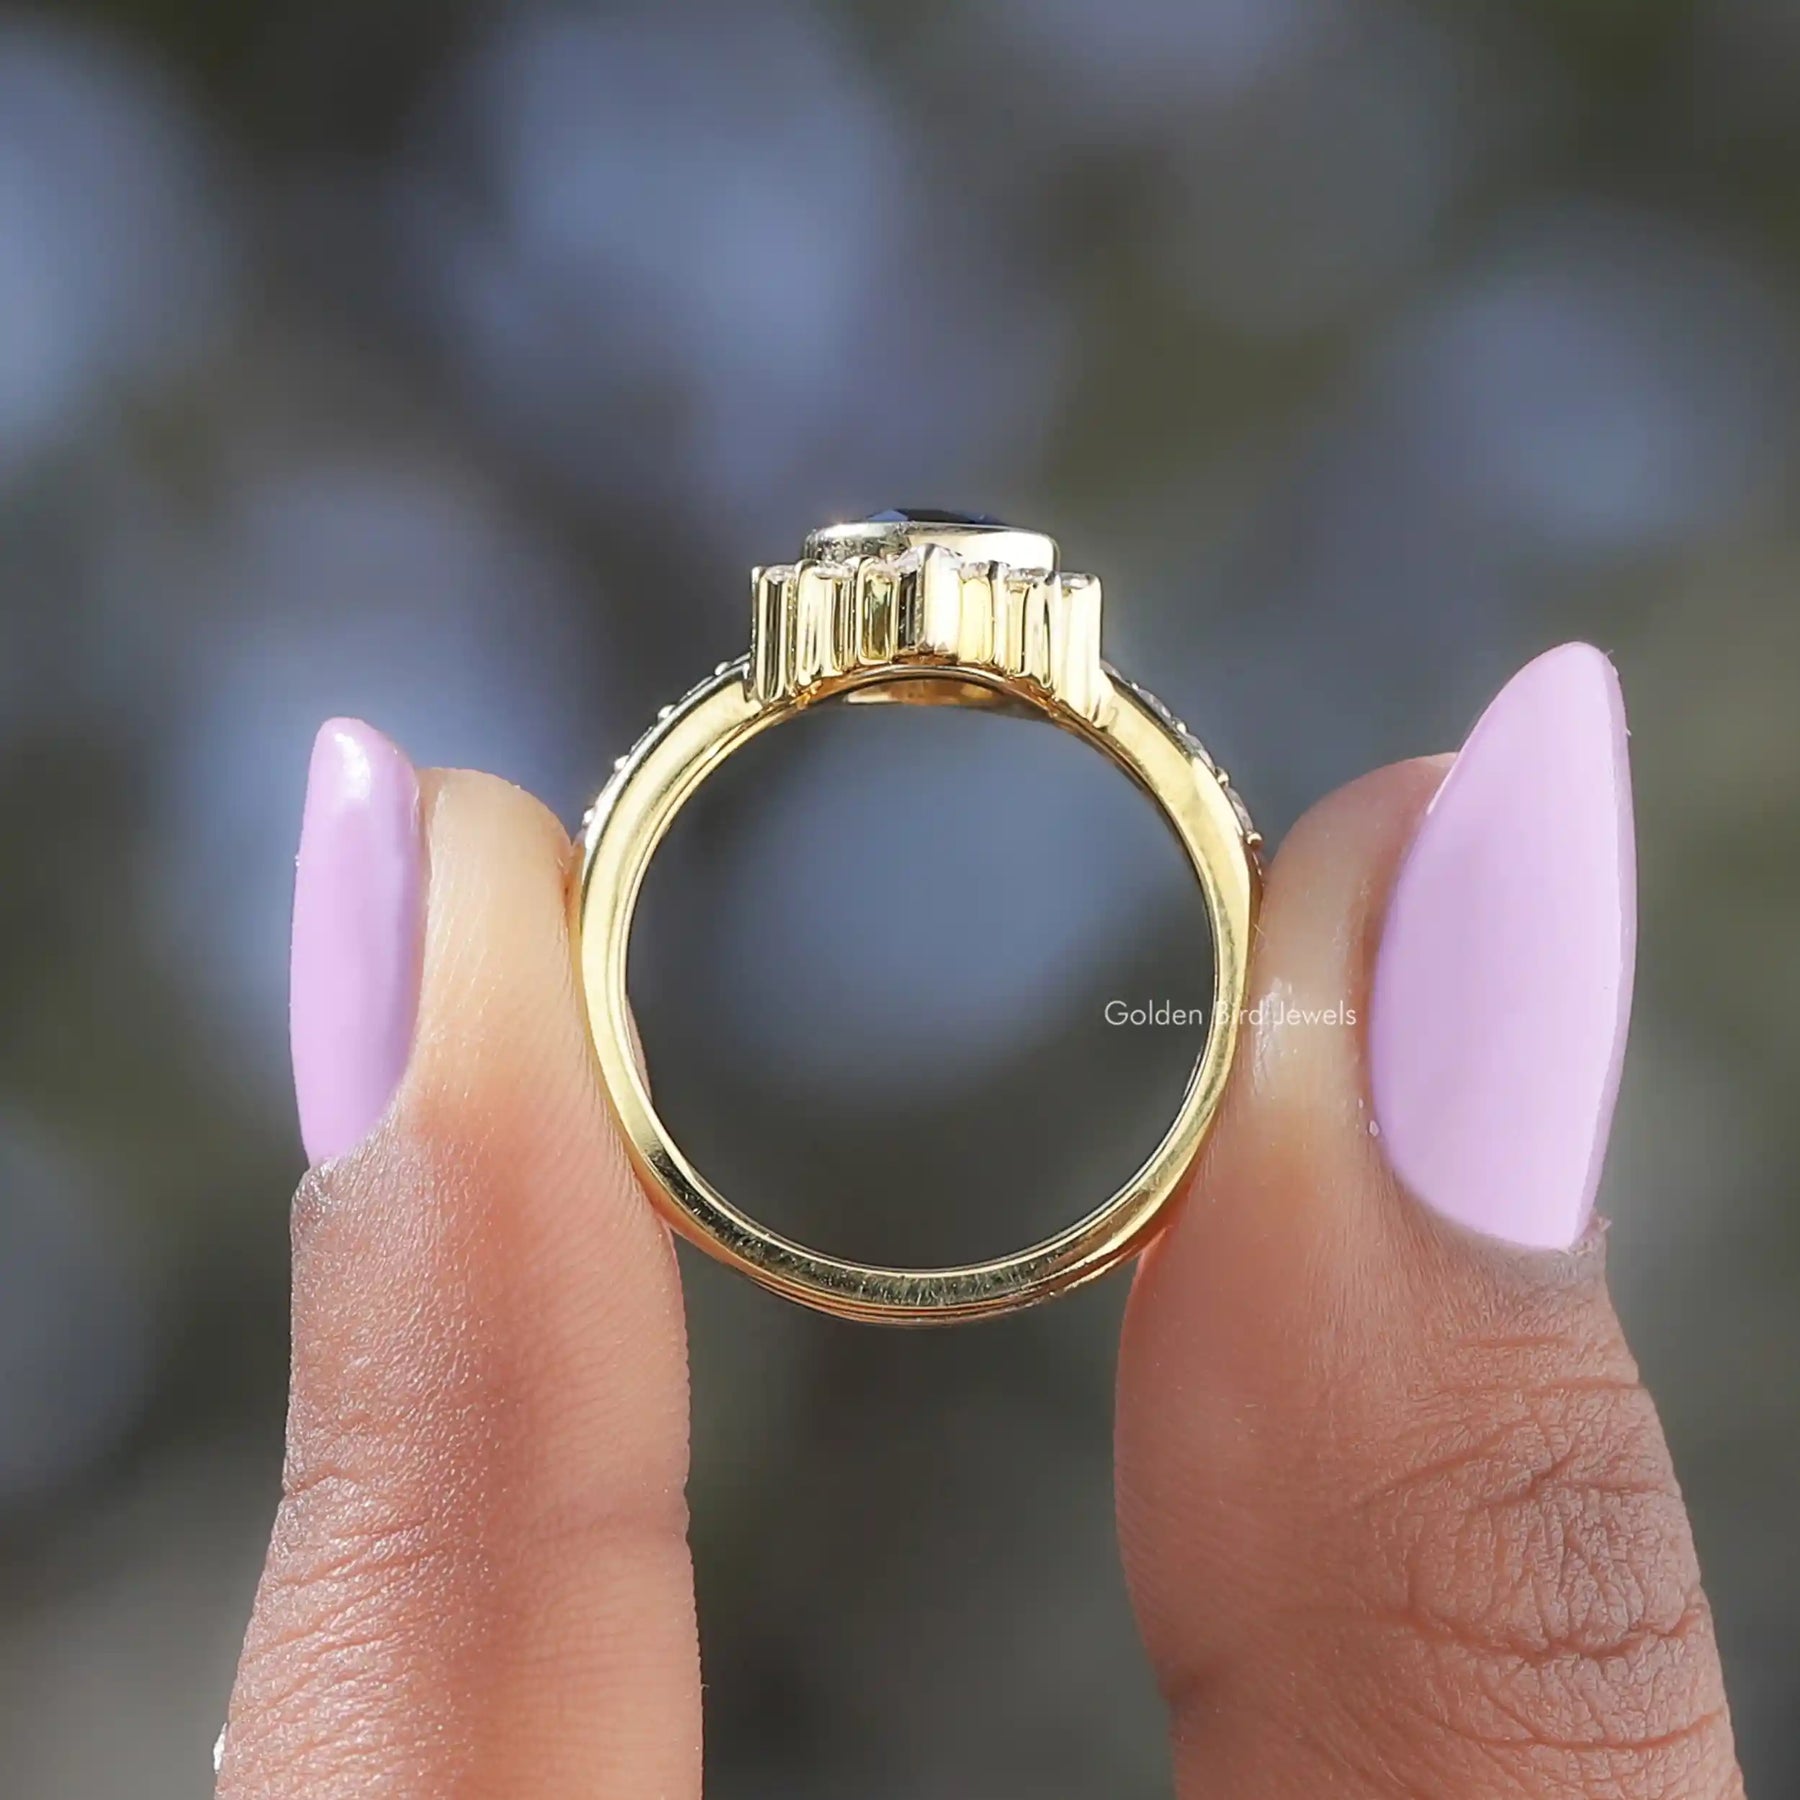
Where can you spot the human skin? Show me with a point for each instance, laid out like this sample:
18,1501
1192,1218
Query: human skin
1396,1514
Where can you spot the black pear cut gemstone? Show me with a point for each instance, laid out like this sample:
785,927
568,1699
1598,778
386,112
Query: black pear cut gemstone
932,515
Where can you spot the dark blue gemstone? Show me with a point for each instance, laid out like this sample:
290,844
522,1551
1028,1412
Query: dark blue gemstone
931,515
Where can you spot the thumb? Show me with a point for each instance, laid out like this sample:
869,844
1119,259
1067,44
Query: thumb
478,1580
1397,1515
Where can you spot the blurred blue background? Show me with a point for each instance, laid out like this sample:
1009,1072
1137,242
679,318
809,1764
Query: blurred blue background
450,363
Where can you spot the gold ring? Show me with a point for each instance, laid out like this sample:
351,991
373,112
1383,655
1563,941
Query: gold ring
932,608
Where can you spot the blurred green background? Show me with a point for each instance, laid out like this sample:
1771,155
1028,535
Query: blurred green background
449,364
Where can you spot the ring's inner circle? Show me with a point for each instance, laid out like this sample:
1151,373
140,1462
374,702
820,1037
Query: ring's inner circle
918,985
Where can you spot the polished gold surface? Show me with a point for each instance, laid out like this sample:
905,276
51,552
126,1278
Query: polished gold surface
914,612
818,626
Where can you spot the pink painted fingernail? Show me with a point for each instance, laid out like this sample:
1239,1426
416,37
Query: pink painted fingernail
1503,984
358,928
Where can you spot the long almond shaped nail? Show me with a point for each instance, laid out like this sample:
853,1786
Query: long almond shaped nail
1502,987
358,928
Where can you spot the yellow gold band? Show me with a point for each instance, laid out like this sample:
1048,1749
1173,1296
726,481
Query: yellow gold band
741,700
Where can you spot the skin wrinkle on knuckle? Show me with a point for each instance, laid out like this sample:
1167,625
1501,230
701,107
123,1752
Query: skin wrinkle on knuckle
345,1605
378,1583
349,1646
1533,1590
419,1381
317,1754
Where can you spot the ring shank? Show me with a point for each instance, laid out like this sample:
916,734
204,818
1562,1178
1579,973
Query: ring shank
631,817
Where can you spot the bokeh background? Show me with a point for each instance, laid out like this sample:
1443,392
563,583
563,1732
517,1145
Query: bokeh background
449,363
